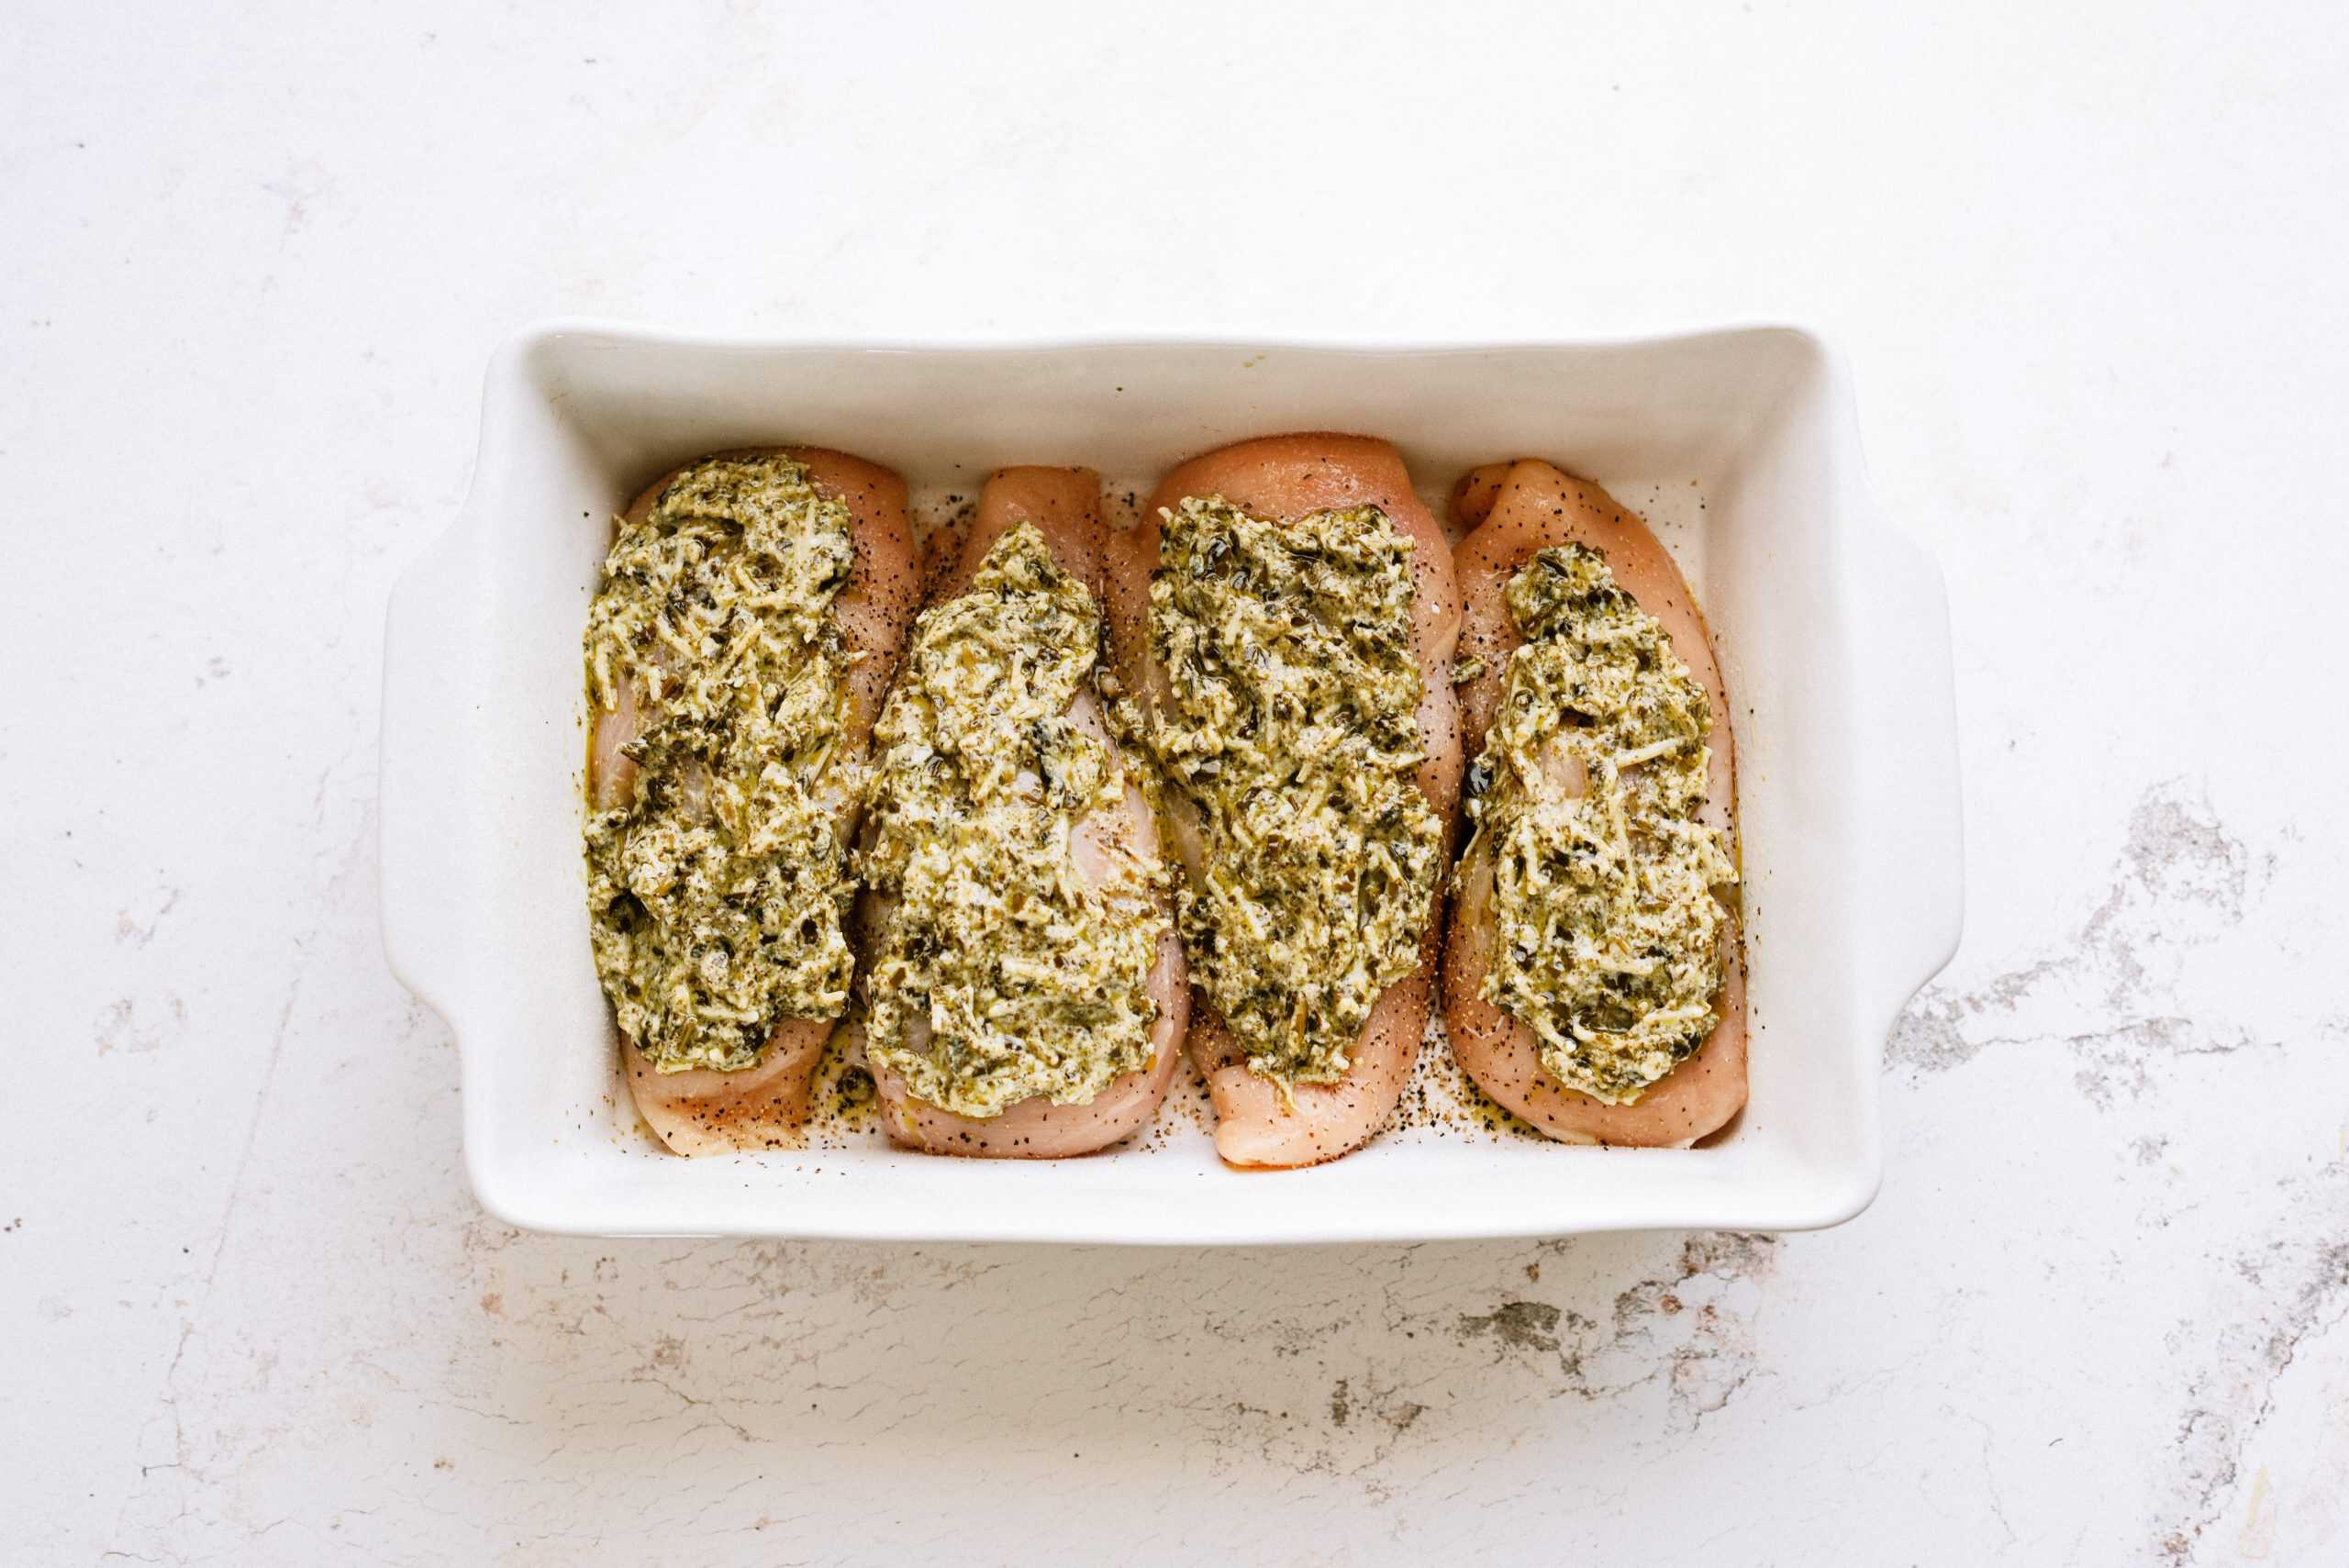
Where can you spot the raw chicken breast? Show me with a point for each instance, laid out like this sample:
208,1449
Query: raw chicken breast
1284,477
1514,510
702,1111
1064,506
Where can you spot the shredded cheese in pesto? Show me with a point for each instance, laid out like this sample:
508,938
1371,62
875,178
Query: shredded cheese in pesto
1289,730
1005,969
1608,935
719,888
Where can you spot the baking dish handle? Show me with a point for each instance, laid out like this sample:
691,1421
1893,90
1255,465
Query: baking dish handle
428,861
1914,811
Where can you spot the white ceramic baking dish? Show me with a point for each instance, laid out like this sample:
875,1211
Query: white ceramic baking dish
1741,444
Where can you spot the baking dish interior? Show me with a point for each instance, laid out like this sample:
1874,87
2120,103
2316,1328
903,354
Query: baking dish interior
1737,444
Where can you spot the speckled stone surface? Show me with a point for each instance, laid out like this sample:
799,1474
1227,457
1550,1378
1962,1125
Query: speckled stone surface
2086,262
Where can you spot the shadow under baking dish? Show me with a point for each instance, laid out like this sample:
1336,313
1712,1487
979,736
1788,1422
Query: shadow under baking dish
1739,447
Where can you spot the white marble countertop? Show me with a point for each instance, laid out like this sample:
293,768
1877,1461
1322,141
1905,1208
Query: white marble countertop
2087,264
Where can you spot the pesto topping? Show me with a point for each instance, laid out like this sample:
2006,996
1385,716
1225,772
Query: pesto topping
1290,730
717,889
1609,936
1006,968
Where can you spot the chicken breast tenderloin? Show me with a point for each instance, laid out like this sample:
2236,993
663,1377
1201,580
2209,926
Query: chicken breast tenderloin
1260,1122
1514,510
705,1110
1064,505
